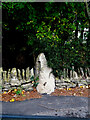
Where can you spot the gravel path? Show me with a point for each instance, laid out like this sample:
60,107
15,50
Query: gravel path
64,106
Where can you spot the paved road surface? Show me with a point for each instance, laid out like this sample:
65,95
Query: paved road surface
63,106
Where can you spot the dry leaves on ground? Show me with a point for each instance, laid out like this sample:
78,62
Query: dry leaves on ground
27,95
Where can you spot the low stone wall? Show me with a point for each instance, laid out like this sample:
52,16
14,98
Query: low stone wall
80,79
71,83
15,78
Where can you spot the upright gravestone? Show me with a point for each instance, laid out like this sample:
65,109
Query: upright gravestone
46,78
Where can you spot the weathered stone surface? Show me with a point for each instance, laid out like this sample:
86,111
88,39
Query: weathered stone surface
6,87
81,69
13,87
14,80
73,75
80,84
23,74
29,89
27,86
66,80
5,76
88,81
75,81
9,76
71,85
46,81
28,74
83,82
19,75
57,80
40,63
68,85
46,78
88,70
32,72
1,73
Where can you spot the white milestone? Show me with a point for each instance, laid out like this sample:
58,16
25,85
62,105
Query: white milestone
46,78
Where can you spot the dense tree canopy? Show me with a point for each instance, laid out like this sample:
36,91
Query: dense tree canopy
51,28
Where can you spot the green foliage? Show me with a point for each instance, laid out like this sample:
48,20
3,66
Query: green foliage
49,29
34,81
19,91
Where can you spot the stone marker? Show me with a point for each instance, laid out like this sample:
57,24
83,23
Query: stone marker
46,78
40,63
14,80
